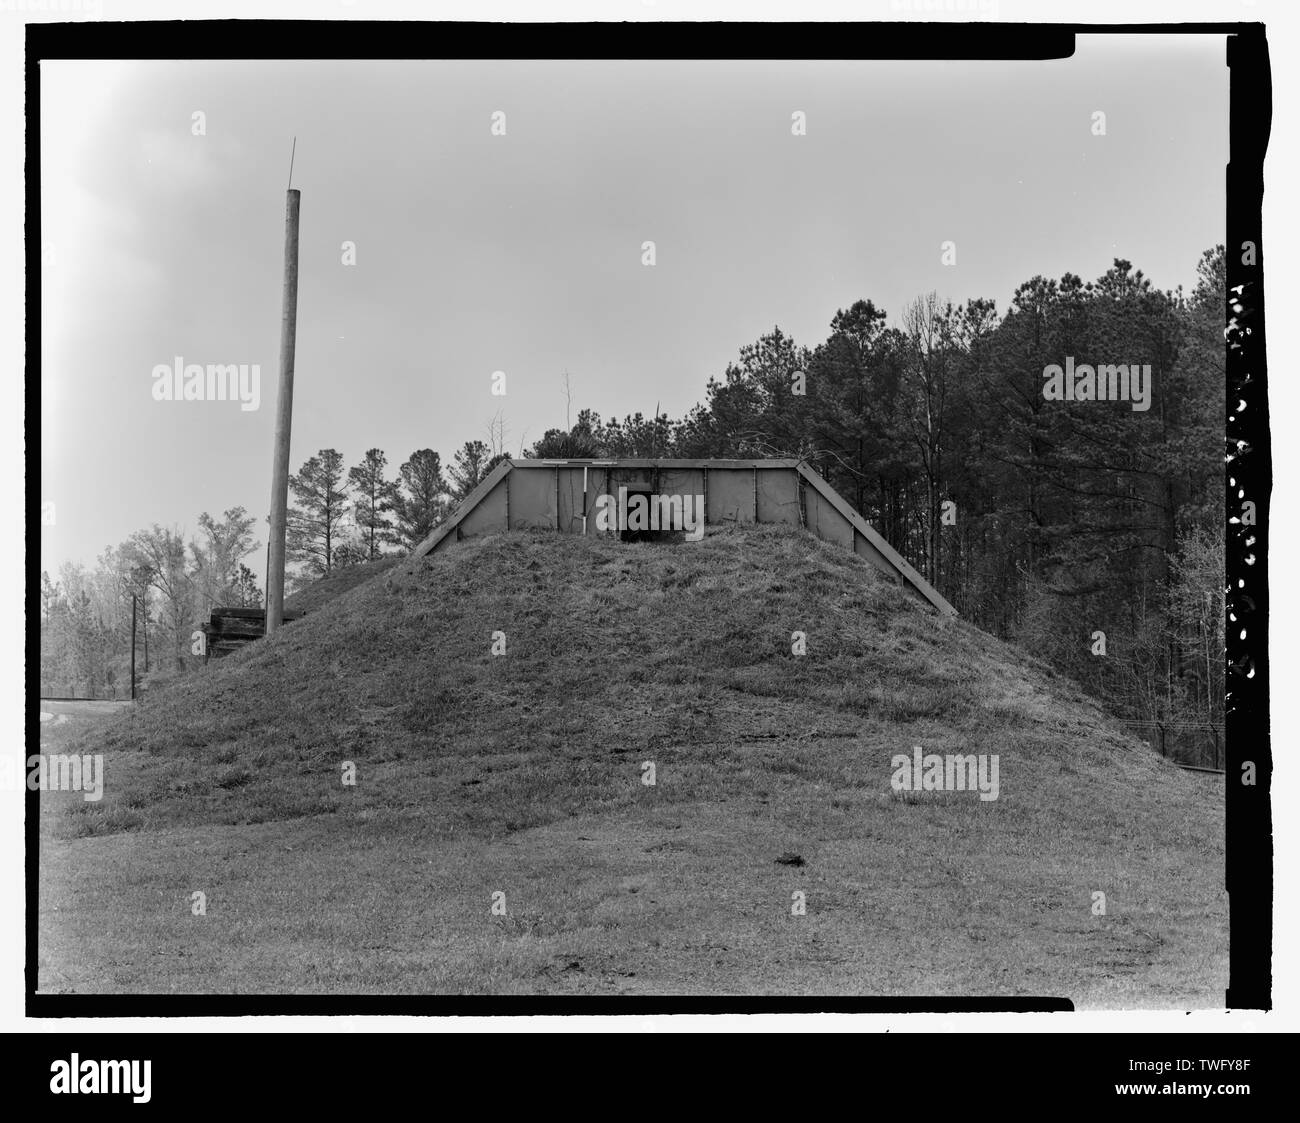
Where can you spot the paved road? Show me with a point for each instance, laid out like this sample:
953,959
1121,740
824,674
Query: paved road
87,708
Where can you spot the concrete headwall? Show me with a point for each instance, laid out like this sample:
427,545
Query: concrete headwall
556,495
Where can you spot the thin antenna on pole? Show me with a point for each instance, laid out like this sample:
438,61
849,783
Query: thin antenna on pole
292,152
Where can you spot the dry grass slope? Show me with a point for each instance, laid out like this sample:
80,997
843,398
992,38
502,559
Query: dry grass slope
324,589
522,774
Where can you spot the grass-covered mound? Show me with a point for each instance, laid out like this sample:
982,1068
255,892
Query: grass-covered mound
523,773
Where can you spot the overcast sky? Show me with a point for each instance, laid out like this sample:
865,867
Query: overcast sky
522,253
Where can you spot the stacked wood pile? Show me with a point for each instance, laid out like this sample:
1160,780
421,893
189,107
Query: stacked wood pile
230,628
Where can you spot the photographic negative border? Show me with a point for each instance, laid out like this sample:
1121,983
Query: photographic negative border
1248,473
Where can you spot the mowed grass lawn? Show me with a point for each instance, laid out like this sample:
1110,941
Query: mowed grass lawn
521,774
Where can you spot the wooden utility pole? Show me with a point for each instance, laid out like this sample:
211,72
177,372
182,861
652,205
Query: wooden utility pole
132,647
283,419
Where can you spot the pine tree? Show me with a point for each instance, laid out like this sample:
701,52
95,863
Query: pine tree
419,503
469,466
315,517
374,499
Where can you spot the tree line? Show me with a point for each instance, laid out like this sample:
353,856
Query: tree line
1088,532
341,517
85,614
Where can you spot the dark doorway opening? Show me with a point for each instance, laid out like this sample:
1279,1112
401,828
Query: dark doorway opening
662,535
629,535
